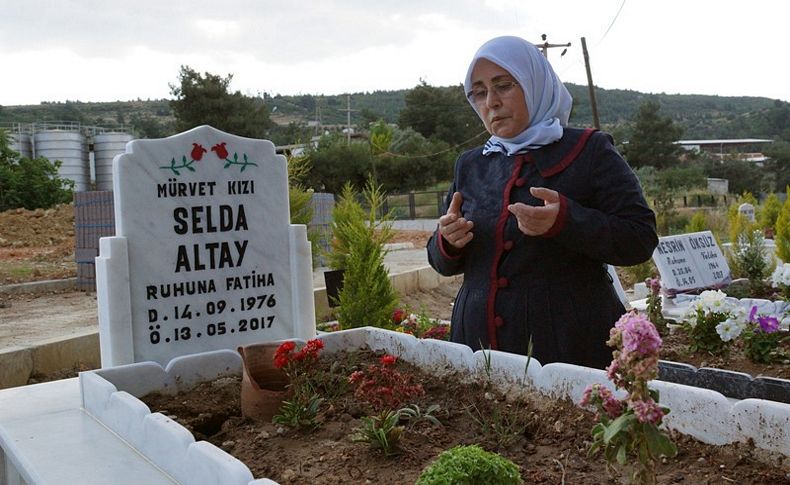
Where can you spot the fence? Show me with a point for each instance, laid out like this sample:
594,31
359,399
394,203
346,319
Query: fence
698,200
415,205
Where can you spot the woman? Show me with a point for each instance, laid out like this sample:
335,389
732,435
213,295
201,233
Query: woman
535,215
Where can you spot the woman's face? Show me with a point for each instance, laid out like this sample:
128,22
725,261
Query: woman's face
499,100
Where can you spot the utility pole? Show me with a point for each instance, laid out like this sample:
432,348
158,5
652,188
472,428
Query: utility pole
348,111
545,46
593,103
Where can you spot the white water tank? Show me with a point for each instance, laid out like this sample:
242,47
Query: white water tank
20,142
71,148
105,147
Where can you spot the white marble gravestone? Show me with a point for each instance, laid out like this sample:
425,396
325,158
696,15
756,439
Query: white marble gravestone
204,255
747,210
691,261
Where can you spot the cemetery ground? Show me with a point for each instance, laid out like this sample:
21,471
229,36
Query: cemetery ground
548,439
39,245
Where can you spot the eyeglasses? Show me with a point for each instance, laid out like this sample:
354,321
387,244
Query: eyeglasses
479,94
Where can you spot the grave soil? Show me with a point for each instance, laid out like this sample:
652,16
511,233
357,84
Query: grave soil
547,439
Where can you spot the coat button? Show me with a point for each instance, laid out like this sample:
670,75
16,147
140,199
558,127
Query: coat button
508,245
498,321
520,182
501,282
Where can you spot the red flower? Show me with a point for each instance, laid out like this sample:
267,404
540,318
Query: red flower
388,359
285,346
398,316
220,150
197,152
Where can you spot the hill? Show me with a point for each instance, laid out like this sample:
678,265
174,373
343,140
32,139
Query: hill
701,116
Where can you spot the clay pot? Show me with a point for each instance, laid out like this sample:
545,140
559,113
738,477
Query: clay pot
263,386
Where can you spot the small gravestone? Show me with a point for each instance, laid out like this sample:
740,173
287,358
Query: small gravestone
204,256
692,261
747,211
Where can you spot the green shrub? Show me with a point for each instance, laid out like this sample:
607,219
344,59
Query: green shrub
698,222
367,296
782,236
769,212
470,465
346,215
30,183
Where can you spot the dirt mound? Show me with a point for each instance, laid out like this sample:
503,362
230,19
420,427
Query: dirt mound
22,228
37,244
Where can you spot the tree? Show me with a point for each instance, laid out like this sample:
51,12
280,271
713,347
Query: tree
652,140
206,100
743,176
782,236
442,113
31,183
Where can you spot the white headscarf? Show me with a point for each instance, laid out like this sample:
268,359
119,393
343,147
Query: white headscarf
548,101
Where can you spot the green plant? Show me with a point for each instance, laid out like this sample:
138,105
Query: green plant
31,183
762,337
470,465
382,386
763,347
629,427
381,431
413,414
654,308
782,235
698,222
300,412
347,215
769,212
503,426
367,296
750,259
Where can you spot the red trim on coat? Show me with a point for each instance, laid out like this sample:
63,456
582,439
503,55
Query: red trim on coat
559,222
571,155
499,249
441,243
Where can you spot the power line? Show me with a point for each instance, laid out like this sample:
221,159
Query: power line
611,24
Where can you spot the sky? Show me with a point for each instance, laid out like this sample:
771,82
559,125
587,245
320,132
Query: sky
107,50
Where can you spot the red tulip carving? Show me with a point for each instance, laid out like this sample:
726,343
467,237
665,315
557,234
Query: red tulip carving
220,150
197,151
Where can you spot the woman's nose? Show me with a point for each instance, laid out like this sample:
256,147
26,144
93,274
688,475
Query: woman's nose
492,99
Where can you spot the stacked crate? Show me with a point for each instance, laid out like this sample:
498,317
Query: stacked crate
94,218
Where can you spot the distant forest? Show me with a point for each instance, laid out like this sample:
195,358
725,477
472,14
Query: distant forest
700,116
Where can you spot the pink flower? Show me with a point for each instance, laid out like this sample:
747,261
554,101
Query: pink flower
647,411
639,335
602,397
654,284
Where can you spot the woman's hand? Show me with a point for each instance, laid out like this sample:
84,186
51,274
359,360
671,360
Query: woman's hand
454,229
536,221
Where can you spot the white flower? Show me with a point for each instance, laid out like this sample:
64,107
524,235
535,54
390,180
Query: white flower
784,324
729,329
712,301
781,276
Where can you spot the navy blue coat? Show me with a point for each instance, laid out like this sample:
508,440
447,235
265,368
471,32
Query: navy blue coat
553,287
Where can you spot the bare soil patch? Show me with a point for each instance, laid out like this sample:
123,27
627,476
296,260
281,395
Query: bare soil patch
37,244
547,439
